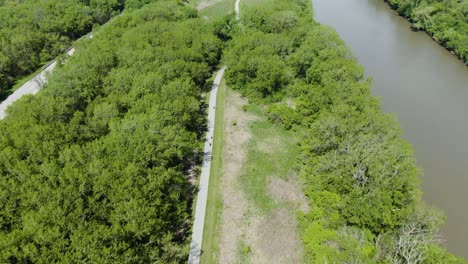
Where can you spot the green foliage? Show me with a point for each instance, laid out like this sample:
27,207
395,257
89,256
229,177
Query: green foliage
93,168
34,32
283,114
225,27
243,252
437,254
360,176
446,21
346,245
257,68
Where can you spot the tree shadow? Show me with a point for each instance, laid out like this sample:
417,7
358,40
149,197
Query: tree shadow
4,94
195,253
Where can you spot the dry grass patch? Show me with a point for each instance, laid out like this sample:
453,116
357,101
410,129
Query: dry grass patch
270,145
274,239
237,135
291,103
273,193
288,190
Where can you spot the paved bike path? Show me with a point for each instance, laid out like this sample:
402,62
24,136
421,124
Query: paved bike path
202,195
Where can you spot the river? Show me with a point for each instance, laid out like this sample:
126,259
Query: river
426,87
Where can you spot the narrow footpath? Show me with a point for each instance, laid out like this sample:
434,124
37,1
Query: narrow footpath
202,196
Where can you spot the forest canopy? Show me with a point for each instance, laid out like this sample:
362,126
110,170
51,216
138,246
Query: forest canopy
93,168
32,32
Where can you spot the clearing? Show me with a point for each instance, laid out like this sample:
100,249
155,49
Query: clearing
259,192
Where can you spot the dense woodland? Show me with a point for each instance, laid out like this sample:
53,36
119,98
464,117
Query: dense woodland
93,168
32,32
446,21
359,175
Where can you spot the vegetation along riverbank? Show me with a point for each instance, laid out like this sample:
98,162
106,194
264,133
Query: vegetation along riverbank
445,21
359,176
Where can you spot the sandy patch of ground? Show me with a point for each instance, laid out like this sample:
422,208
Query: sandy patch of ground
273,238
234,203
288,190
207,3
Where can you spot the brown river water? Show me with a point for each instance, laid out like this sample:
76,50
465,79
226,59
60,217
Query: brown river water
427,89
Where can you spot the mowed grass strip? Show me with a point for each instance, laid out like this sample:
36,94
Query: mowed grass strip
211,233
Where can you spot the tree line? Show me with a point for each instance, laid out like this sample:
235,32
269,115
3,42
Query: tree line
360,177
446,21
93,169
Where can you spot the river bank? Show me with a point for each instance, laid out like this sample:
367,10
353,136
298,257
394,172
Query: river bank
426,90
455,52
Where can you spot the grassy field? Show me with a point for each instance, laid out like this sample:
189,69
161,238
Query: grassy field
272,153
256,191
270,184
212,9
214,203
219,9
